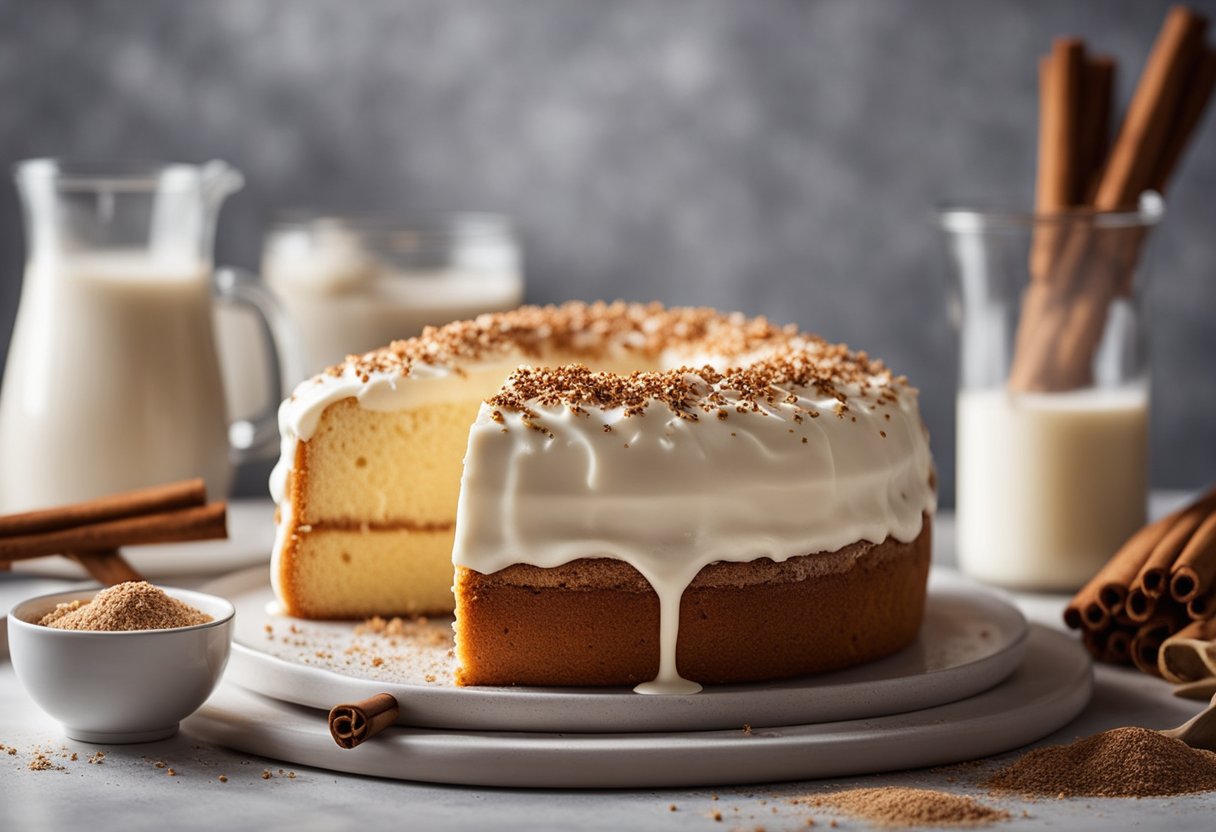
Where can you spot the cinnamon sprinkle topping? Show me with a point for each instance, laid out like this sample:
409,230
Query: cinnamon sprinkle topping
580,329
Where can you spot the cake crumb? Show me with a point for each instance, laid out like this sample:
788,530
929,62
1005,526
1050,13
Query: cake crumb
747,729
671,808
170,772
266,775
98,758
223,778
716,815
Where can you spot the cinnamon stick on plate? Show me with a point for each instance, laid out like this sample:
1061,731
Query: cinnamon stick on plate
159,498
358,722
108,567
203,523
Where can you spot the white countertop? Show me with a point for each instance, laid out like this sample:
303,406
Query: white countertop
128,791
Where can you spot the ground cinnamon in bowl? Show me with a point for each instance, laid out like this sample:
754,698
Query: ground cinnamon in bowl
894,806
1124,762
135,605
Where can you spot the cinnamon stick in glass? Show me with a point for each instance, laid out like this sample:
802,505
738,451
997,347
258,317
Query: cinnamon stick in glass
1134,162
355,723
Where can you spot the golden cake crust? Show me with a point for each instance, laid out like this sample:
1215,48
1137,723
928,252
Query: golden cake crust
596,621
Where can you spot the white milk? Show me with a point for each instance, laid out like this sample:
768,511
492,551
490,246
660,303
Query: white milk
1049,485
112,381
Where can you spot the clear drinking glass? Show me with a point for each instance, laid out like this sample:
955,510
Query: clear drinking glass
112,380
1053,401
352,284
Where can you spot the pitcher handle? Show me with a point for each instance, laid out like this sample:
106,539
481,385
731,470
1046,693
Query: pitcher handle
257,437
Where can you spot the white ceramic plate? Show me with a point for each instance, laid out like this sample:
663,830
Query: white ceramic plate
250,538
971,640
1050,688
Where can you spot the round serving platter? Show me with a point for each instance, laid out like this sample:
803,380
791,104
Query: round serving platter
971,640
1051,686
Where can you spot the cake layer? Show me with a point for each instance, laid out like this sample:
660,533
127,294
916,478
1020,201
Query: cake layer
341,573
367,467
596,621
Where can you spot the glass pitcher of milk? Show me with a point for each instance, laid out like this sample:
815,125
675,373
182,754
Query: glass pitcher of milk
112,380
1053,401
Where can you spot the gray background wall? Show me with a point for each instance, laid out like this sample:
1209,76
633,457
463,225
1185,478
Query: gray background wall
775,156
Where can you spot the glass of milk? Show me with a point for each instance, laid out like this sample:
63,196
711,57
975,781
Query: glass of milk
1053,400
112,380
351,285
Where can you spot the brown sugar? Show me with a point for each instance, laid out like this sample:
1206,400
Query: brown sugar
1124,762
134,605
893,806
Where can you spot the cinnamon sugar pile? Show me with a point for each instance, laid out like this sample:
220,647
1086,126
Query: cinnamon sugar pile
894,806
134,605
1124,762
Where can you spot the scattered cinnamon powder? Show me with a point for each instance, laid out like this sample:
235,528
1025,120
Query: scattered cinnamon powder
1124,762
895,806
134,605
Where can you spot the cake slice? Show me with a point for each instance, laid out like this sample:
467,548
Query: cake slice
672,529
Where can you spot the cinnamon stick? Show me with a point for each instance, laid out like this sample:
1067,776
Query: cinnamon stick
1106,591
1186,656
201,523
1177,528
1097,92
355,723
1135,157
1195,569
159,498
1059,173
1139,606
1059,177
1200,608
1195,98
1146,643
108,567
1118,648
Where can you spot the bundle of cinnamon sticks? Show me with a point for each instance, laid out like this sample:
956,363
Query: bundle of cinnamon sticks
1160,582
92,532
1078,264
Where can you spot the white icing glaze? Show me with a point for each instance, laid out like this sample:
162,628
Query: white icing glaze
669,496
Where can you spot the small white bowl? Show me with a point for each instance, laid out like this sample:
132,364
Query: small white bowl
119,687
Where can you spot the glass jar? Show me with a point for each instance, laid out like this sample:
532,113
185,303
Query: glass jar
1053,400
352,285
